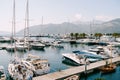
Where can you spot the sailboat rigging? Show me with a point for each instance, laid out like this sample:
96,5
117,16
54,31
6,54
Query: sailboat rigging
26,30
13,47
32,62
16,68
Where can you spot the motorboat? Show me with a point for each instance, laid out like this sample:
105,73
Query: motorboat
5,39
88,55
10,48
57,45
2,73
87,41
74,59
38,65
21,47
22,42
117,44
46,43
97,51
72,41
14,47
65,40
104,51
37,45
111,51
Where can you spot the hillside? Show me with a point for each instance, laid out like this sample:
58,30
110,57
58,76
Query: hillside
105,27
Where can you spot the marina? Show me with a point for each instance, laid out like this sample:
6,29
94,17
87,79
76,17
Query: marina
55,59
75,40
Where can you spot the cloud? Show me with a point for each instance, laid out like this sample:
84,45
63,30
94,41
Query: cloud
78,16
103,17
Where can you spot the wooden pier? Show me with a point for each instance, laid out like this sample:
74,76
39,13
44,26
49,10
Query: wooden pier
74,70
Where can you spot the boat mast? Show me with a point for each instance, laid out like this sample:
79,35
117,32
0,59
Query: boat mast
14,24
27,17
90,30
111,54
27,22
42,21
41,26
91,26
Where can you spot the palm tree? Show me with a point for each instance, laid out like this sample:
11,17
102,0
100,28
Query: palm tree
76,35
82,35
115,35
108,34
98,35
71,35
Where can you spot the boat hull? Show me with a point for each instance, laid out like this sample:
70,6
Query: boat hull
108,69
42,71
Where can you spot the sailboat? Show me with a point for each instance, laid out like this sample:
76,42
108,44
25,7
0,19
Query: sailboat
38,65
18,71
108,67
2,73
16,68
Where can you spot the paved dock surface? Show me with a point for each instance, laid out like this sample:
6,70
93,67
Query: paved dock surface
73,70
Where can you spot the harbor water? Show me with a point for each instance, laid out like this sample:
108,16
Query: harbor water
54,56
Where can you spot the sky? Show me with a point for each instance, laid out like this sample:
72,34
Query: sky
57,11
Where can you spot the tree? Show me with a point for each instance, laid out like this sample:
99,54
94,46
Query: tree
84,35
98,35
115,35
76,35
71,35
108,34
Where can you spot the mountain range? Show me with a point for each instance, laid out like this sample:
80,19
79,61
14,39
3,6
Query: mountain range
79,27
5,33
